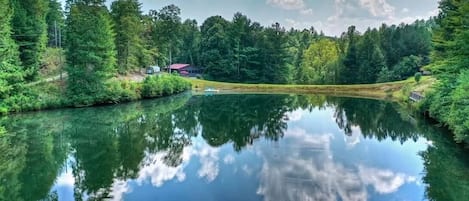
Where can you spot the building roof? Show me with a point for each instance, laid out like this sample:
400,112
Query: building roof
178,66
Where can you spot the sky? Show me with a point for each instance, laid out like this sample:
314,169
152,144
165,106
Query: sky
331,16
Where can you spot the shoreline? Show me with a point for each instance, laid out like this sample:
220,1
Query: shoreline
383,91
390,91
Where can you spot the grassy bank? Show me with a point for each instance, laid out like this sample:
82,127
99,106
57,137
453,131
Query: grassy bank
50,95
392,90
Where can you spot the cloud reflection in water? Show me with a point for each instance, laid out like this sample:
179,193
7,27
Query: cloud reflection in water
309,172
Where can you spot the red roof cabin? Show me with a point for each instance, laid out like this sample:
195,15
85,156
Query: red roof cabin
186,70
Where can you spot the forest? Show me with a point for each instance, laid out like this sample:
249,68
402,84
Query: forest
101,43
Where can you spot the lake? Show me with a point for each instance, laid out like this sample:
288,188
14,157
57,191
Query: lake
231,147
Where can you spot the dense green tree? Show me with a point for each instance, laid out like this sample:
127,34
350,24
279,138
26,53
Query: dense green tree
128,28
11,76
216,49
30,32
55,23
191,39
297,43
448,102
273,56
90,52
167,22
320,62
350,60
371,59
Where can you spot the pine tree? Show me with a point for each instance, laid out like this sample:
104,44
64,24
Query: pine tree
30,32
128,27
91,55
351,64
448,103
11,76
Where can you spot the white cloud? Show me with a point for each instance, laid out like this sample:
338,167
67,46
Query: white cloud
368,13
405,10
378,8
308,11
297,114
66,179
209,160
298,5
309,172
354,138
119,188
287,4
383,181
229,159
159,172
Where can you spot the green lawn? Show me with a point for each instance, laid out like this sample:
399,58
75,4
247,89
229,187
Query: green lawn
389,90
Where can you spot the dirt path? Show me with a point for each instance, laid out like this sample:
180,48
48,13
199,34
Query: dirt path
50,79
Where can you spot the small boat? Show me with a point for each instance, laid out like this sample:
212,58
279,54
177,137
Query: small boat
211,90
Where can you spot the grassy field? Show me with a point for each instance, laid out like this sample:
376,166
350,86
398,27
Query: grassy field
391,90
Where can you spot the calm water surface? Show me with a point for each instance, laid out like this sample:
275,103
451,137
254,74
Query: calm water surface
231,147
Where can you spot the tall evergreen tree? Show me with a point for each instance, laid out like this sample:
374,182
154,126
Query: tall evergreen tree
11,75
449,103
128,27
30,32
351,64
273,56
91,55
371,59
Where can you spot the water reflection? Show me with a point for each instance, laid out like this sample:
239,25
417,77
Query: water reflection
248,147
309,171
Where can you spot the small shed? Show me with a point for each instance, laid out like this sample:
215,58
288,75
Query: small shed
153,70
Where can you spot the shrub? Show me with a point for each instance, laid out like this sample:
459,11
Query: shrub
164,85
121,91
418,77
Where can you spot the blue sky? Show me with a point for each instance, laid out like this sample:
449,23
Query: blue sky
331,16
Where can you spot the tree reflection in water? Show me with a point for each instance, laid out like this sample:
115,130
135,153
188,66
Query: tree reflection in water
118,143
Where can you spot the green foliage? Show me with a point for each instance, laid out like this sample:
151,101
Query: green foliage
122,91
242,51
458,115
30,32
386,54
11,74
90,53
166,32
448,102
131,52
418,77
163,85
216,50
320,63
385,75
350,63
55,24
191,38
407,67
53,61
